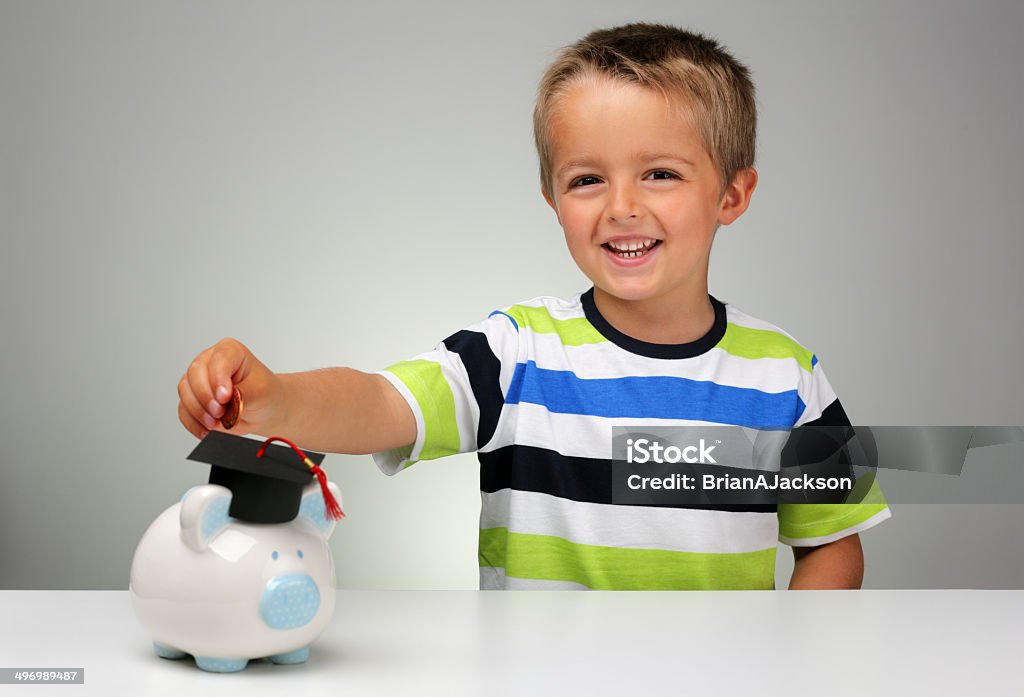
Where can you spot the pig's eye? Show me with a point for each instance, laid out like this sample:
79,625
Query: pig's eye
300,554
273,555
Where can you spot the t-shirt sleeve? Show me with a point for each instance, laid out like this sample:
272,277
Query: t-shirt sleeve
812,524
456,391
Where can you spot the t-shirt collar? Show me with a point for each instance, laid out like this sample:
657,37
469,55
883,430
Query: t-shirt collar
652,350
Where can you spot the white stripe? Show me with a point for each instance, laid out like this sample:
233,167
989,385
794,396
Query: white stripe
504,341
582,435
629,527
740,318
392,461
608,360
556,307
874,520
467,411
817,393
493,578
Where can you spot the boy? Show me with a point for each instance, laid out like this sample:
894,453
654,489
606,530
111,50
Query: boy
645,135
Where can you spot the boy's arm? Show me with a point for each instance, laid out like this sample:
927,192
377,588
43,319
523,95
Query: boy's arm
343,410
339,410
838,564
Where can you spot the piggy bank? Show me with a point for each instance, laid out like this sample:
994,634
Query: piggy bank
227,591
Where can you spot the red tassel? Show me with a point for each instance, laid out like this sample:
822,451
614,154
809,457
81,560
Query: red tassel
334,511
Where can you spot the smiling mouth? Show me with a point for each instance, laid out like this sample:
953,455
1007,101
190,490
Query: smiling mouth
631,254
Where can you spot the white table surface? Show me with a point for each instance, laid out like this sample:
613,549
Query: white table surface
825,643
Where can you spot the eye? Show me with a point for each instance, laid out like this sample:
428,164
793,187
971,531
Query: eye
273,555
671,175
579,181
299,553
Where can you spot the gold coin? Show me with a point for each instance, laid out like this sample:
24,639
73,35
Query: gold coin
232,410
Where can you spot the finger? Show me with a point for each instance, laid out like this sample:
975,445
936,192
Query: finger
228,367
192,406
190,424
199,383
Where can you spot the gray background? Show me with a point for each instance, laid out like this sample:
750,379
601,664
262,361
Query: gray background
348,185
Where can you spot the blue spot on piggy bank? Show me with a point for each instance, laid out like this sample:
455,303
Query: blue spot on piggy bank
226,591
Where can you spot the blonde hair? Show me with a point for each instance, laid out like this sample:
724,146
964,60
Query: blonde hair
709,87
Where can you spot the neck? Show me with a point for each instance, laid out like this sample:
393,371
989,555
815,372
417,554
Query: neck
670,319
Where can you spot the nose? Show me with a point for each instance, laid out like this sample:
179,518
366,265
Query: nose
289,601
623,203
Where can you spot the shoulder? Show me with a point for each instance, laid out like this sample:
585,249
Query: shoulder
542,311
751,337
756,338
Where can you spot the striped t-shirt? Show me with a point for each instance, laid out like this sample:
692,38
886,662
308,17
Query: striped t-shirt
535,390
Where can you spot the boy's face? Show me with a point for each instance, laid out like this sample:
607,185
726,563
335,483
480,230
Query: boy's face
626,169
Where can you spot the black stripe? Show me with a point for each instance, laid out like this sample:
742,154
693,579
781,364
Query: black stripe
819,440
833,415
484,370
589,480
821,448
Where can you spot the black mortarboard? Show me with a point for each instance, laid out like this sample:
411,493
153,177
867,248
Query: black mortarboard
265,489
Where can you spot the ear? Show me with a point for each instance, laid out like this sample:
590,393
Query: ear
737,196
313,512
551,202
204,514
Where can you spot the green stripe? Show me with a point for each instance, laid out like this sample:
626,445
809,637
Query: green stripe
745,342
434,396
802,520
866,490
742,342
577,331
545,557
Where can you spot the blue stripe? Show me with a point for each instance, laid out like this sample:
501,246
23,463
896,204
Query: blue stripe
510,318
814,361
656,397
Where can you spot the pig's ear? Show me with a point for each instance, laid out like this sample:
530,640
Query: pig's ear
204,514
313,512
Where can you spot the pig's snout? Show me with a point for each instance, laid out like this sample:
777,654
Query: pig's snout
289,601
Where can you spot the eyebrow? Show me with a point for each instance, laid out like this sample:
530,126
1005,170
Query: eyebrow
640,156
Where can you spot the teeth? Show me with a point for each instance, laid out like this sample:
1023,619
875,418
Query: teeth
631,246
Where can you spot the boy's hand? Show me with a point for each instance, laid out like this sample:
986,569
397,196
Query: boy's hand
209,384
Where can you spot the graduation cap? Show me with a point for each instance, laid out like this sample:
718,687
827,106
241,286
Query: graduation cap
266,481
